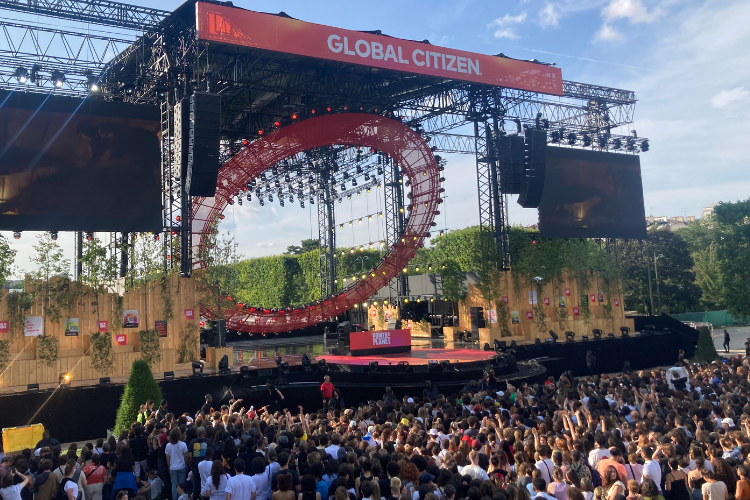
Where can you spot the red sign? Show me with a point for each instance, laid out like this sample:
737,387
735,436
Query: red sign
576,311
190,313
4,328
382,339
505,299
592,298
567,292
530,314
121,339
546,301
617,302
374,313
246,28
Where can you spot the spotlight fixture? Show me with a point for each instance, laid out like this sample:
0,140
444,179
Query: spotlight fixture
17,235
644,145
58,78
34,74
570,336
89,236
597,334
64,379
53,235
92,83
22,75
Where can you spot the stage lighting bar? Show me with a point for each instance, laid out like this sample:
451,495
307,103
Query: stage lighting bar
360,220
354,191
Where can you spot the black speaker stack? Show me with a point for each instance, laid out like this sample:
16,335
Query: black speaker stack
536,161
203,146
512,163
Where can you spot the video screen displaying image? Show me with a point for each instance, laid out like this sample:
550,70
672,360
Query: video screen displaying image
73,165
592,194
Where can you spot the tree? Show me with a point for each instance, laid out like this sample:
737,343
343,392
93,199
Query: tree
676,280
52,269
140,388
220,264
704,238
7,256
733,253
308,245
705,351
99,271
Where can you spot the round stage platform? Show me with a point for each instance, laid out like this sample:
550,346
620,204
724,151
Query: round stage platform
415,357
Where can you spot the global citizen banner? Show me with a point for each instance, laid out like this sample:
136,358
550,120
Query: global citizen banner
359,341
246,28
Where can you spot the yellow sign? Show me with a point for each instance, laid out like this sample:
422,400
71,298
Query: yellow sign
20,438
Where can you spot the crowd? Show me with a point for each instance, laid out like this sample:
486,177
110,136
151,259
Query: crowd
677,434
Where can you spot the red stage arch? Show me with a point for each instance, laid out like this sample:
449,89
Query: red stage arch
389,136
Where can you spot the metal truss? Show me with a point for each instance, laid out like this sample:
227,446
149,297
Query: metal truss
394,223
326,239
103,12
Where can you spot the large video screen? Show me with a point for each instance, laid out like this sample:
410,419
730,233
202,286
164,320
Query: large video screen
68,164
592,194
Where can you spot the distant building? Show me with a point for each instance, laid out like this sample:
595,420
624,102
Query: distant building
670,223
708,210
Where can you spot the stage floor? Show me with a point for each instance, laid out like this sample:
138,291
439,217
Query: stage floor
415,357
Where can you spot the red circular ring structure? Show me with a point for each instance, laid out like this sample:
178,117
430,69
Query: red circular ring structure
383,134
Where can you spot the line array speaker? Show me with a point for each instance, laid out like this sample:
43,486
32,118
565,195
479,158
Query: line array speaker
536,161
205,133
512,163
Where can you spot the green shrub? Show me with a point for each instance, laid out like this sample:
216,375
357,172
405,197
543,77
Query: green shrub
706,351
140,388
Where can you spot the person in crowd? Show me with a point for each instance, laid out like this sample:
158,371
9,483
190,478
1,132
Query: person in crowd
326,392
176,453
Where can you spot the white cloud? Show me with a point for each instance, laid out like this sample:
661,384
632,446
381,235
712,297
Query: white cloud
632,10
549,16
503,25
727,97
608,33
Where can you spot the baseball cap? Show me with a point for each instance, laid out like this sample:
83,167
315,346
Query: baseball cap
426,477
433,432
371,429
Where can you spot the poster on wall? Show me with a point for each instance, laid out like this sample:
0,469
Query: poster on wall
600,296
546,301
72,327
4,327
161,327
121,339
529,314
32,326
130,318
374,313
617,302
103,326
505,299
592,298
567,292
190,313
532,298
387,315
576,311
561,301
514,317
492,315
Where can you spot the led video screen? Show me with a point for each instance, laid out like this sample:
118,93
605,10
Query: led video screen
592,194
68,164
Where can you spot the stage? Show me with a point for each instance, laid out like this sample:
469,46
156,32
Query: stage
415,357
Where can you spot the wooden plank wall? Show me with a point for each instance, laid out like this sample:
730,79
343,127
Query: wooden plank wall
73,357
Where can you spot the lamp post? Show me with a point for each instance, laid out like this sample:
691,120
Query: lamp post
218,297
650,292
656,274
362,259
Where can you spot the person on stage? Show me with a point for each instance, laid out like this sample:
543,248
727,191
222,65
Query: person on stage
326,391
726,341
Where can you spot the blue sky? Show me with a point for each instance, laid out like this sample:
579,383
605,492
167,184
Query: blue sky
687,61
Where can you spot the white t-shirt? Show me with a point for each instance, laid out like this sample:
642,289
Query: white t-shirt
546,467
14,492
475,472
220,492
241,487
204,469
652,470
262,488
71,485
176,454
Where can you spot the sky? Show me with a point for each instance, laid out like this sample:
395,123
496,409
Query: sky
687,61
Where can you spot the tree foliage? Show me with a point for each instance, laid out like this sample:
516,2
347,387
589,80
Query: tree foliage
50,276
99,271
7,257
140,388
732,222
705,352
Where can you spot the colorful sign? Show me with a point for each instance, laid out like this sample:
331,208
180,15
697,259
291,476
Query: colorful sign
32,326
190,313
532,298
529,314
130,318
600,296
4,327
387,315
492,315
617,302
121,339
505,299
592,298
246,28
374,313
161,327
514,317
72,327
103,326
576,311
381,339
567,292
546,301
561,301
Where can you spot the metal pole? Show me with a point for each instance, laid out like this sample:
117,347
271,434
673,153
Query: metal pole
218,297
658,294
650,293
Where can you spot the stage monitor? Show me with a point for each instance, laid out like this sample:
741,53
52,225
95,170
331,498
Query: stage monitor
68,164
592,194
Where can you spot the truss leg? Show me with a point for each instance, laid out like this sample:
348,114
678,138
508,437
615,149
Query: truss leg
326,238
398,287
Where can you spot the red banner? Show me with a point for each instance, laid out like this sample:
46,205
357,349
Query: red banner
103,326
576,311
121,339
529,314
546,301
617,302
4,327
379,340
246,28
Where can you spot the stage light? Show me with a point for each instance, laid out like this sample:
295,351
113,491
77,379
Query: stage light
617,144
373,366
32,388
58,78
553,335
224,365
611,335
294,116
486,346
93,83
572,139
22,75
586,140
597,334
644,146
168,376
90,236
625,331
17,235
570,336
322,365
64,379
260,132
277,124
585,338
53,235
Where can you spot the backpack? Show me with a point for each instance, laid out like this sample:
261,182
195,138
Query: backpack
62,494
596,478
